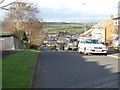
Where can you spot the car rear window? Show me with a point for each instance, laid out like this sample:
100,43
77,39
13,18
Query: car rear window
92,41
72,40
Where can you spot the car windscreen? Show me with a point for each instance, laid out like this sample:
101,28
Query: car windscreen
72,40
92,41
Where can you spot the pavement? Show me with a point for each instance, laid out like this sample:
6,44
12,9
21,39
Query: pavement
5,53
113,53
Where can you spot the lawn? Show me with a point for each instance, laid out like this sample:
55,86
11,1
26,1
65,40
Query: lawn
0,74
17,69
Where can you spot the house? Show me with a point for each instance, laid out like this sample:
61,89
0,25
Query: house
50,35
102,31
87,33
116,20
9,42
116,33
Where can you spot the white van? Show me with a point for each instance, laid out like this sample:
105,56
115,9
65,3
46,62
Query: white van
88,46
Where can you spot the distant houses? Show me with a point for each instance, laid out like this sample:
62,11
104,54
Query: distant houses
105,30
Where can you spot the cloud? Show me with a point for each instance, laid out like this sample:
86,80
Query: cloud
98,6
75,10
67,15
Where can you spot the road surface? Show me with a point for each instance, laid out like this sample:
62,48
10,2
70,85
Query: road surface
73,70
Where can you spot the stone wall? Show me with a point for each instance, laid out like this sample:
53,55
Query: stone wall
9,43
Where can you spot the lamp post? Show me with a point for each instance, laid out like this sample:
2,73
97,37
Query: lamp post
85,25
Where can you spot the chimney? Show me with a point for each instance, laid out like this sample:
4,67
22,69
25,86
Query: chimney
111,16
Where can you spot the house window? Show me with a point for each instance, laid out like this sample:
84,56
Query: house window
116,22
97,31
112,31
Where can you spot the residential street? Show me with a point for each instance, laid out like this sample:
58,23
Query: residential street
74,70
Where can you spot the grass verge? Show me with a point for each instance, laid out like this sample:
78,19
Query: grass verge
17,69
0,74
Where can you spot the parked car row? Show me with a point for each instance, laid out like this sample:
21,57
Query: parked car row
82,45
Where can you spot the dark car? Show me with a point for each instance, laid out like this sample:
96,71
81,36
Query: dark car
71,44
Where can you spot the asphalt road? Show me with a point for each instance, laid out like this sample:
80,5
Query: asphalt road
73,70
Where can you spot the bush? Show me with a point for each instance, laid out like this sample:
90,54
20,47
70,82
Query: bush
22,36
53,48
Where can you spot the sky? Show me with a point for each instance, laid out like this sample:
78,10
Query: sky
73,10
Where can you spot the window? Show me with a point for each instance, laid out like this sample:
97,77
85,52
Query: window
92,41
112,31
116,22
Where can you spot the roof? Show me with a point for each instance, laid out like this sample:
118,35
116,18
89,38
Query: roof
6,35
104,23
116,17
86,32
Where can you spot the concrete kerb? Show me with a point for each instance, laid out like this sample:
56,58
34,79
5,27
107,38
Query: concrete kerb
35,50
113,56
35,68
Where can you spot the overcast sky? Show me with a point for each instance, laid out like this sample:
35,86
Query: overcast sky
73,10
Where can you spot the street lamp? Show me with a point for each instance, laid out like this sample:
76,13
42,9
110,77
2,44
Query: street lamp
85,25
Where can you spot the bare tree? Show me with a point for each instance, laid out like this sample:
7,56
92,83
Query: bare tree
23,16
33,28
20,12
1,1
4,7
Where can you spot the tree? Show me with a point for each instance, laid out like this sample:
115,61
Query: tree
23,16
3,7
19,13
33,31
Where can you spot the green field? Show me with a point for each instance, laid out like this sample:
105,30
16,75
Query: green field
17,69
71,28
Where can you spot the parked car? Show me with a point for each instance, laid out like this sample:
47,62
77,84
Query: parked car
71,44
89,46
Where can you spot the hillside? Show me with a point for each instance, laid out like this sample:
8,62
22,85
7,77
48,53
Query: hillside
56,27
72,28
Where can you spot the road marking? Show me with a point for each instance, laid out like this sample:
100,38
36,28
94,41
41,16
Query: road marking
113,56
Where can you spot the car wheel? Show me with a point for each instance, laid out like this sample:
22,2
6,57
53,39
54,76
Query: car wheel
80,52
89,54
85,51
105,54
